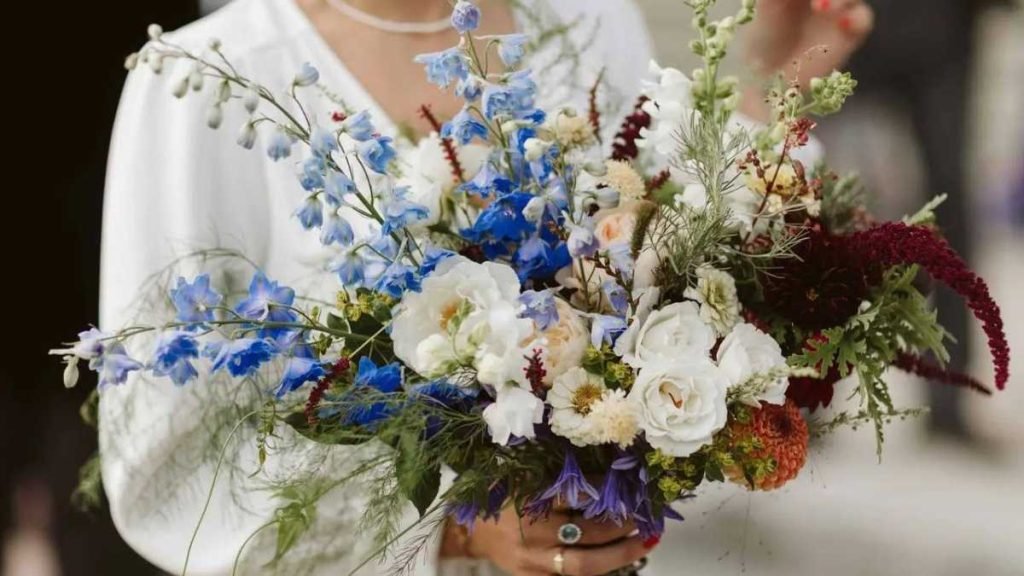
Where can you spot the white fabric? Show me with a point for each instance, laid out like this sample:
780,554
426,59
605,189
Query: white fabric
175,186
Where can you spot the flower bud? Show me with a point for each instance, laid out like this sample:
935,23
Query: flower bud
251,99
214,44
536,149
223,92
307,76
131,61
247,136
606,197
154,31
195,80
534,209
214,116
156,63
180,87
70,371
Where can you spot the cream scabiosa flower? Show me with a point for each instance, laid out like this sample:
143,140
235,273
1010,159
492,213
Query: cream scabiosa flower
747,352
682,404
675,331
623,178
615,419
466,314
716,294
572,397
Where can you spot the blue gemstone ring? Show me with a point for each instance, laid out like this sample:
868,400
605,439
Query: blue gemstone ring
570,534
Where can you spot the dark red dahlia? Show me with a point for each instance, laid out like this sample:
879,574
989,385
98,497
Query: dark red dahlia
813,393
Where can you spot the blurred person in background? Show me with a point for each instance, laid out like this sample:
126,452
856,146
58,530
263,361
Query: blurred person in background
918,63
66,110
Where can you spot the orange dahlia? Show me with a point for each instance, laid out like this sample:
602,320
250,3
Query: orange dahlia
779,434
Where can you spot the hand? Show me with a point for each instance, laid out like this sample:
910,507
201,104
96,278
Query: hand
803,39
524,548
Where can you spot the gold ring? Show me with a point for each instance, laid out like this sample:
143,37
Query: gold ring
559,562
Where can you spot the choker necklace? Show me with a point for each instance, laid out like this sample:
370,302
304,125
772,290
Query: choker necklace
393,26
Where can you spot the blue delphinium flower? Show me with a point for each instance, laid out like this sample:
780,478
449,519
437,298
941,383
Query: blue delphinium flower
488,181
267,301
383,379
582,241
114,366
605,329
336,230
463,127
299,370
570,486
195,302
322,142
242,357
173,356
444,67
307,75
399,212
440,394
620,254
512,48
359,126
432,258
280,146
616,296
350,268
311,214
515,98
312,175
539,307
465,17
397,279
469,88
538,258
336,186
377,153
502,221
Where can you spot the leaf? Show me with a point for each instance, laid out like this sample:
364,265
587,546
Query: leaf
335,322
419,481
293,520
333,435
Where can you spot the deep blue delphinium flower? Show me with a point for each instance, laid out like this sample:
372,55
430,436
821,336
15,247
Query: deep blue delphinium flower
300,369
463,128
432,258
441,394
311,178
280,146
377,153
242,357
322,142
367,412
359,126
336,230
195,302
571,486
386,379
114,366
539,307
173,356
465,17
336,186
444,67
311,213
487,182
538,258
512,48
502,221
605,329
350,268
400,212
397,279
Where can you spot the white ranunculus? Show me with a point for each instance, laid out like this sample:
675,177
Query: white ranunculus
429,176
571,398
716,294
562,345
747,352
514,413
475,308
675,331
682,404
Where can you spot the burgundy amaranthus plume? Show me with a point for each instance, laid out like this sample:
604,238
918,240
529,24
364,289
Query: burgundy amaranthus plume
657,181
935,373
450,154
535,372
593,114
624,145
317,393
896,243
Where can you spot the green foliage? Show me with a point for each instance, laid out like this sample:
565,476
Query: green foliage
295,516
419,479
898,319
842,199
88,495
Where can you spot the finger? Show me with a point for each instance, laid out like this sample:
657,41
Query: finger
544,532
587,561
598,533
857,20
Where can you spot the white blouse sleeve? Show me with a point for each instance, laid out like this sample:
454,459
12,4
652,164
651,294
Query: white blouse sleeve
173,186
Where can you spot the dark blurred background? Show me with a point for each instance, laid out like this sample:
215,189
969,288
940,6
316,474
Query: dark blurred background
937,111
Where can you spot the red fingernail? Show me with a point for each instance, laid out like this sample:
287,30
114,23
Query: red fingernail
845,23
824,5
652,542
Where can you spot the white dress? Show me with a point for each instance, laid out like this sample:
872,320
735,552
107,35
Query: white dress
175,186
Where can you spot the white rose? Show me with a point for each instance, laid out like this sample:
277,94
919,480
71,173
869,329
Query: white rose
615,225
682,404
562,345
482,300
746,352
675,331
514,412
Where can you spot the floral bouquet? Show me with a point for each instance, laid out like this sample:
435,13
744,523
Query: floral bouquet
567,325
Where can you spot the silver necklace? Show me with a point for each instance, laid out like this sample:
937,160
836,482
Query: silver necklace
393,26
